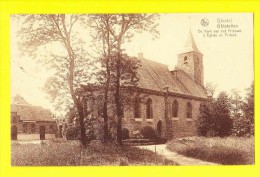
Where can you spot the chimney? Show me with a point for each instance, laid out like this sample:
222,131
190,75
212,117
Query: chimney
140,55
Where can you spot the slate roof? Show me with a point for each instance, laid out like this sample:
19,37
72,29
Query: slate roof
155,76
190,44
29,112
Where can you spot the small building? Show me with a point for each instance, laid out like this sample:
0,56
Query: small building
30,122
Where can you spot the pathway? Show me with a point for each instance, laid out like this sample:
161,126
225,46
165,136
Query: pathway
180,159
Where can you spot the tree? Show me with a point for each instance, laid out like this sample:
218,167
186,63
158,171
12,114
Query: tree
236,103
210,88
69,60
240,126
221,114
120,69
205,119
248,108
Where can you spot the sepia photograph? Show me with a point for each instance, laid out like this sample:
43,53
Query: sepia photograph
140,89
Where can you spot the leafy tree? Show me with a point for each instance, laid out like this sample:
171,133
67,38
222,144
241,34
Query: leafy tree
119,69
221,114
205,119
240,125
249,108
236,103
57,34
211,89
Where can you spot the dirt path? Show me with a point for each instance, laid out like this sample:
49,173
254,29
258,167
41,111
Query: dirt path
180,159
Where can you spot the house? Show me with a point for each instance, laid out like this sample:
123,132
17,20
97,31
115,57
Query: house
167,100
30,122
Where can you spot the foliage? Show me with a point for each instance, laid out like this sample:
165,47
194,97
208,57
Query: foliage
69,61
125,133
243,113
221,114
248,108
211,89
72,133
70,153
137,134
241,127
226,151
205,120
148,132
214,118
117,68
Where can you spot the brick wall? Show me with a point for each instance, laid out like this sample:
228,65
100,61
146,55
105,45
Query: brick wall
180,126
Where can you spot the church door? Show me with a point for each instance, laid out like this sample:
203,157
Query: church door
14,133
42,132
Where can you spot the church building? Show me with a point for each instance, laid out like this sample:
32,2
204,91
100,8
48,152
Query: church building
168,100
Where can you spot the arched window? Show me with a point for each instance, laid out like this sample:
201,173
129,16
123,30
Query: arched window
137,108
33,128
185,60
24,128
149,109
189,110
175,108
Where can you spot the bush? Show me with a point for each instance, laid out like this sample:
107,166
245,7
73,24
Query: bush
125,133
225,151
241,127
72,133
148,132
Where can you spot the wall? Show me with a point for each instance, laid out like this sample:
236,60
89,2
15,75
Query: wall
21,135
180,126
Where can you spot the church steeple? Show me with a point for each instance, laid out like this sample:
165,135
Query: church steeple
190,60
190,45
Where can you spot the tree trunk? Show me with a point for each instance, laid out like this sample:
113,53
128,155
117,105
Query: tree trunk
105,114
118,100
82,124
105,110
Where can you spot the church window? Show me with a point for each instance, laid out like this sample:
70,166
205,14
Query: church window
137,108
24,128
33,128
149,109
185,60
189,110
175,107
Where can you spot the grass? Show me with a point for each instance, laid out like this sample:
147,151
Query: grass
226,151
70,153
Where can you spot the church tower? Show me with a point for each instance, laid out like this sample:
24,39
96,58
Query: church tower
190,60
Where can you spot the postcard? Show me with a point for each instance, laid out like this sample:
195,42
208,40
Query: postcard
129,93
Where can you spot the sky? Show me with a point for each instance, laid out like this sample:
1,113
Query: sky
224,39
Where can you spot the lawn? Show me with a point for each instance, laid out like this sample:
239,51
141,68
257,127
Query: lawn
226,151
70,153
